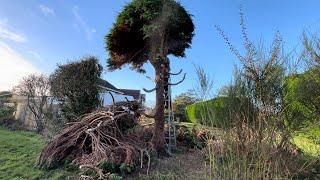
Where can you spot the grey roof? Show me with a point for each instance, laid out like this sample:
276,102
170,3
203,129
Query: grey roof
106,84
130,92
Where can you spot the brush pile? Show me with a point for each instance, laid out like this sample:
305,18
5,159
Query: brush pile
106,135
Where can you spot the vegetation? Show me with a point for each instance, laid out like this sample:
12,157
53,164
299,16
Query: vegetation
75,85
258,147
308,140
262,125
7,110
19,152
36,88
180,104
216,112
149,31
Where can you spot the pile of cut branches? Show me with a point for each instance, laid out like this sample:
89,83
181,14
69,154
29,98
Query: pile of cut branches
105,135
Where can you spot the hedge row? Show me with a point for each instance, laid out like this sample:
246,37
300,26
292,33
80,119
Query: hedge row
219,112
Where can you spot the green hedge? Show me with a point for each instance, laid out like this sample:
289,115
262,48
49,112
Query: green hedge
219,112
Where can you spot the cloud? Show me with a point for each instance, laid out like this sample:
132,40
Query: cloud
46,10
8,33
35,54
13,67
80,23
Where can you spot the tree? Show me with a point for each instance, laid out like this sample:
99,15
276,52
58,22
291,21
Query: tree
149,31
181,102
36,88
76,85
302,92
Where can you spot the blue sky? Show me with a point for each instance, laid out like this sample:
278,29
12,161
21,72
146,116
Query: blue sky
36,35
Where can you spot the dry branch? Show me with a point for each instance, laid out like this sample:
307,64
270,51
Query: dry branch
100,136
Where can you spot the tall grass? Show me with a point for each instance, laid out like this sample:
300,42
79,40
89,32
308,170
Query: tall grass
256,144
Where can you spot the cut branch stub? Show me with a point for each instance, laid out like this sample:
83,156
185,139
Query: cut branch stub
179,82
174,74
151,90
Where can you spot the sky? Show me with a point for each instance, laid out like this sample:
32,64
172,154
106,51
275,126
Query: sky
37,35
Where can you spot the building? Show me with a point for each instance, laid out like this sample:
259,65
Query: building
108,92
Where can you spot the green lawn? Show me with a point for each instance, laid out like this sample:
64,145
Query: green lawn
308,140
18,154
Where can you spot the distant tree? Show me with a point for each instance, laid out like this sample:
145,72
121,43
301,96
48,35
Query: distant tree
302,92
37,89
4,95
181,102
76,85
149,31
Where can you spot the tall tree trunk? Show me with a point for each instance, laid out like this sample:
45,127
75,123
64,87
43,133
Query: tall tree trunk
158,139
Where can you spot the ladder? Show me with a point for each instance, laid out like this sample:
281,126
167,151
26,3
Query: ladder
170,136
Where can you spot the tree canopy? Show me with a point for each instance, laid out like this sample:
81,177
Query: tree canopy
140,27
76,84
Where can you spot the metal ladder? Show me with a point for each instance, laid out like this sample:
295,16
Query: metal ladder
170,136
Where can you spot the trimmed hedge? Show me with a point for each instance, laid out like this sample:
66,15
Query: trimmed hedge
220,112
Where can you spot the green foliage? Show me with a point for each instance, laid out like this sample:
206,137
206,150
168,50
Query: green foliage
76,85
115,177
180,103
109,167
188,137
6,112
145,27
218,111
302,99
113,168
308,140
126,168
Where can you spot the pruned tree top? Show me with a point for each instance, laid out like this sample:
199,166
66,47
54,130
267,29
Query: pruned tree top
146,27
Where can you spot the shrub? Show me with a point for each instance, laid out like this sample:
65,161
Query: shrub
180,103
217,112
76,85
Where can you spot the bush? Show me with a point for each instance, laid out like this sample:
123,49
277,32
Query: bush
76,86
302,99
217,112
180,103
6,112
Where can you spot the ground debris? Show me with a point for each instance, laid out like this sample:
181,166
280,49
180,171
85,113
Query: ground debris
104,135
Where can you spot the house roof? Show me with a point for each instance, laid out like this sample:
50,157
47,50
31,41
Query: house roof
106,84
131,92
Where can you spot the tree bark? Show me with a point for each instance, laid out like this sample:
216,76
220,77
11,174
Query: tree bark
158,139
162,68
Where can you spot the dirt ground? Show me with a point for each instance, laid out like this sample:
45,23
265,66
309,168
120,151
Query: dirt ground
186,165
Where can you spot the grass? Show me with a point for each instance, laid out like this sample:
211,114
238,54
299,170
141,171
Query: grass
18,154
308,140
19,151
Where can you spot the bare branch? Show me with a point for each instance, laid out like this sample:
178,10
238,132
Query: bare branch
150,78
179,82
151,90
174,74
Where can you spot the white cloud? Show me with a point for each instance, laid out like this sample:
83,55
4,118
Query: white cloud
35,54
80,23
46,10
7,33
13,67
